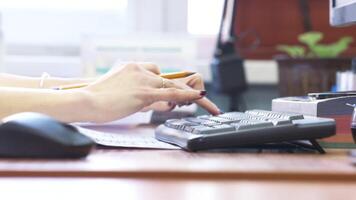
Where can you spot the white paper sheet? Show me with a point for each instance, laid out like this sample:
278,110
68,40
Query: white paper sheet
137,118
139,139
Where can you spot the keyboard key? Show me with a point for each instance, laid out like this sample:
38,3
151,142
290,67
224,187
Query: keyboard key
220,120
173,123
224,128
200,129
201,121
244,125
233,115
273,114
204,116
208,130
189,129
278,122
195,120
255,118
178,124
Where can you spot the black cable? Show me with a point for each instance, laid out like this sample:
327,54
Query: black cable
304,8
219,39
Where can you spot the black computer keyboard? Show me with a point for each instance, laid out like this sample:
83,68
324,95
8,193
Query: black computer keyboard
243,129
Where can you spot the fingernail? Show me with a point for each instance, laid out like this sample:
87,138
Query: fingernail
221,112
202,93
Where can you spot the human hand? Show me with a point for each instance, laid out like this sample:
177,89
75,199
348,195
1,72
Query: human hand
194,81
133,86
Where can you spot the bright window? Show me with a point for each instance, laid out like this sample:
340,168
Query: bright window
204,16
66,5
60,22
65,22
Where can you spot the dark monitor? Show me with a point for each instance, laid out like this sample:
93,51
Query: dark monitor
342,12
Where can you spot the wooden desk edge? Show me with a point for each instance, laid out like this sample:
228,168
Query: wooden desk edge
296,176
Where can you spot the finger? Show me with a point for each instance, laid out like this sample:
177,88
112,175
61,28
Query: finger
154,81
176,95
203,102
208,106
195,81
159,82
171,106
163,106
168,83
150,67
187,103
179,86
146,109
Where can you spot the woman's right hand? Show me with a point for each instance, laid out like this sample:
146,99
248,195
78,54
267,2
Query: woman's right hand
130,88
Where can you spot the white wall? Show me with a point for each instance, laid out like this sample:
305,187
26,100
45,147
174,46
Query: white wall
168,16
54,36
58,27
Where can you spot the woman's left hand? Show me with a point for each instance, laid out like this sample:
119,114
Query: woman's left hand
194,81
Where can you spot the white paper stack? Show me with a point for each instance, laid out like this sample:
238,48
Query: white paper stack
345,81
314,107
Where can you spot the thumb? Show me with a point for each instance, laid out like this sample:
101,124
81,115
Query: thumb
150,67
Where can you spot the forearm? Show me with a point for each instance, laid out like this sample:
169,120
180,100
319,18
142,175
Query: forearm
67,106
9,80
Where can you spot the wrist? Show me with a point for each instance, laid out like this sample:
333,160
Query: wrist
93,108
83,106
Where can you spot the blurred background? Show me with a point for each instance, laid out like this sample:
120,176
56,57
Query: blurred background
71,38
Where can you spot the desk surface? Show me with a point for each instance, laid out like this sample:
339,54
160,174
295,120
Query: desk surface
175,174
170,189
138,163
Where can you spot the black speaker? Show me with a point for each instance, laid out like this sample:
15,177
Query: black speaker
228,75
227,67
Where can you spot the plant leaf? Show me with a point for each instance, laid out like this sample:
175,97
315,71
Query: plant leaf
310,38
332,50
294,51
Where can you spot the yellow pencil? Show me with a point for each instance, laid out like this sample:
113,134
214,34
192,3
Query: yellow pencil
175,75
172,75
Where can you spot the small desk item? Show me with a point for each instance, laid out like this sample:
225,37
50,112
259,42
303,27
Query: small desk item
352,155
353,121
336,108
326,95
173,75
140,139
237,129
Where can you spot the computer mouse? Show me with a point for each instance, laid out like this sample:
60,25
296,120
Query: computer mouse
35,135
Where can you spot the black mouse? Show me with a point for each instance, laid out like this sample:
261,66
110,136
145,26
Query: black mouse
34,135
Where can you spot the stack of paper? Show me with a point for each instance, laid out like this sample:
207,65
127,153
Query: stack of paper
345,81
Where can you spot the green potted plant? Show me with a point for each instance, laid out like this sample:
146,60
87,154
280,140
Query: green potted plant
312,66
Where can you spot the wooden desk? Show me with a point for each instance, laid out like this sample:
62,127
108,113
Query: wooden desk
144,174
183,165
171,189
